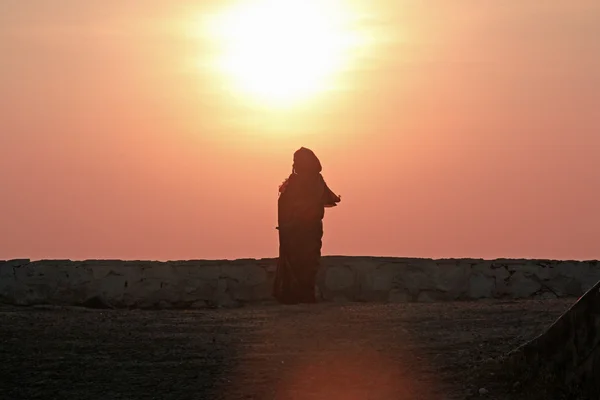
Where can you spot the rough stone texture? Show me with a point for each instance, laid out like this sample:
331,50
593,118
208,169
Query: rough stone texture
568,353
211,283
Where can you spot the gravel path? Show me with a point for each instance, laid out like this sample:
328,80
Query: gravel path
325,351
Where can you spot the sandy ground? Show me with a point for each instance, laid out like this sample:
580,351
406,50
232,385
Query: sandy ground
325,351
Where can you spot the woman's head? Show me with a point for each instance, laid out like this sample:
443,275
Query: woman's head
306,162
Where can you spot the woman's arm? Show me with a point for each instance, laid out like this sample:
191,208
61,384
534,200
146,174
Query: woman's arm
330,199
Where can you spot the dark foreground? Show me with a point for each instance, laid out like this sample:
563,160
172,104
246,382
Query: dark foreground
326,351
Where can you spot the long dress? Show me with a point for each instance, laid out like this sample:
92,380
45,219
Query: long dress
301,208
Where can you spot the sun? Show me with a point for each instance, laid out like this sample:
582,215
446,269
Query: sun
281,52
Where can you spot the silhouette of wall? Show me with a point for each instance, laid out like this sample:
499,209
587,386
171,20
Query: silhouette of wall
197,284
567,355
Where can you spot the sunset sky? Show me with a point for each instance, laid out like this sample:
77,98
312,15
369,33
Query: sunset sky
161,130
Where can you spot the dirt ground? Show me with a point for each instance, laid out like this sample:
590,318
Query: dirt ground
324,351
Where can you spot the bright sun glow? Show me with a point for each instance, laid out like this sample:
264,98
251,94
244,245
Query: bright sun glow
282,52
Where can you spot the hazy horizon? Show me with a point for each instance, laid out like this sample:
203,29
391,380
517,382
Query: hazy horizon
451,130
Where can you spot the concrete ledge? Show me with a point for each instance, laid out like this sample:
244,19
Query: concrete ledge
567,355
200,283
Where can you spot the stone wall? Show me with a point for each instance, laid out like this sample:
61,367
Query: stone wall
567,356
197,284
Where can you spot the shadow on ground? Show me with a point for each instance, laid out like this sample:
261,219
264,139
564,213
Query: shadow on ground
326,351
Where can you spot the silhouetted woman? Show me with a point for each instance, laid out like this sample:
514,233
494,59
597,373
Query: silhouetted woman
301,207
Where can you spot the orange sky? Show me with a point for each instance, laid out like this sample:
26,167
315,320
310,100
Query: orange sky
465,129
